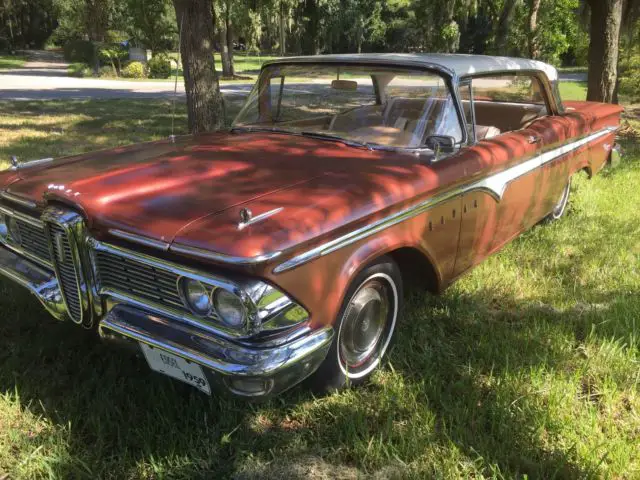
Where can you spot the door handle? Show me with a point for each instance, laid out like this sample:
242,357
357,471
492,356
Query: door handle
534,139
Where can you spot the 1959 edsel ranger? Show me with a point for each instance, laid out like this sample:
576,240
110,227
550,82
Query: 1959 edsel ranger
251,259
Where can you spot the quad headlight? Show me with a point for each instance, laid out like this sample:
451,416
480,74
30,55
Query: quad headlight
197,297
204,300
230,308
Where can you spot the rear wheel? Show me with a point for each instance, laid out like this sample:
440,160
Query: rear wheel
364,327
560,207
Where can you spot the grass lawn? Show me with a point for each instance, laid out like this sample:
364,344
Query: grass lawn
11,61
529,365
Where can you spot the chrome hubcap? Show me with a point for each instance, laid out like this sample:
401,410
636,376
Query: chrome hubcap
562,203
364,324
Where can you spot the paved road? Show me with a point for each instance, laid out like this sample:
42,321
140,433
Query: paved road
44,77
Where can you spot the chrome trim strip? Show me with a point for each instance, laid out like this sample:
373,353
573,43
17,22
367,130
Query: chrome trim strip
220,257
36,222
18,249
31,163
19,200
494,185
259,218
147,242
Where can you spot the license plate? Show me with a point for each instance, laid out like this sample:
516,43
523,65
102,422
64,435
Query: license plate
176,367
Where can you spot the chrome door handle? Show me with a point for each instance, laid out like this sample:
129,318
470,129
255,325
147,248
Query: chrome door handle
534,139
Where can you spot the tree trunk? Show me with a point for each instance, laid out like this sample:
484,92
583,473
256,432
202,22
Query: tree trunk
283,40
503,26
310,43
226,41
205,106
606,17
534,47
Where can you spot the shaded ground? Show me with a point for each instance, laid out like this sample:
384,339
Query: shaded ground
526,367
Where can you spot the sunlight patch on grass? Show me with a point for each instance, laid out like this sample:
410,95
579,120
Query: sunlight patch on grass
526,366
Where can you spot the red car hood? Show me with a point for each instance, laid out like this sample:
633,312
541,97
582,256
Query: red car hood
194,188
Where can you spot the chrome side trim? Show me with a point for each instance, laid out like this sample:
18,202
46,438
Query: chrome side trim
495,185
147,242
220,257
259,218
31,163
19,200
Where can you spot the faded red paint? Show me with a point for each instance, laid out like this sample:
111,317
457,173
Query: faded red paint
191,193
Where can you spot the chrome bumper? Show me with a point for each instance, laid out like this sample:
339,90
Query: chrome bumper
227,364
37,280
232,366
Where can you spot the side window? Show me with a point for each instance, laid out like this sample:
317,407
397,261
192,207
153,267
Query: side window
466,99
503,103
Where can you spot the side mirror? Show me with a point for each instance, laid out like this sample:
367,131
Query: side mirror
441,143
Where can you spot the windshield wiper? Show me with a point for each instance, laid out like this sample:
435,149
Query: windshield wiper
337,138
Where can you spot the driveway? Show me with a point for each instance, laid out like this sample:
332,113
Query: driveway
44,77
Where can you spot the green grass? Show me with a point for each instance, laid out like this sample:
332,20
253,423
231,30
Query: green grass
528,366
573,69
573,90
11,61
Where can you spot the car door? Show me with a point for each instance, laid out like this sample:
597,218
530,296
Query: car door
501,197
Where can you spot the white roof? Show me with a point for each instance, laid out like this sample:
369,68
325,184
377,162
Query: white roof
460,64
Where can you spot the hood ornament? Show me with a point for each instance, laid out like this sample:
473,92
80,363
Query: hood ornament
247,218
245,215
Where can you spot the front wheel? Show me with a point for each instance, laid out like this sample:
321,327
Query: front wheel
561,206
364,327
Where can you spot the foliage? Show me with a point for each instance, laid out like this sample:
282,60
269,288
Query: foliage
113,55
80,70
107,71
134,70
159,67
152,24
81,51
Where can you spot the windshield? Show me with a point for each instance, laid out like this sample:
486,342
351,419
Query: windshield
391,107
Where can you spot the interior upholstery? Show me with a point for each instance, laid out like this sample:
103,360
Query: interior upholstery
485,132
506,116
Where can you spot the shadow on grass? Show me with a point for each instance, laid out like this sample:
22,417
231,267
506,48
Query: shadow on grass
455,360
449,385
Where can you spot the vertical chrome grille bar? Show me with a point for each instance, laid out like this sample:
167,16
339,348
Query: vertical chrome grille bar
66,236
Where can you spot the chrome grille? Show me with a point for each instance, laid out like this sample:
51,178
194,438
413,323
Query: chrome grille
137,280
67,277
33,240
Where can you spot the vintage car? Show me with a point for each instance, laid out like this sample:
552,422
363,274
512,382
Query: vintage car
251,259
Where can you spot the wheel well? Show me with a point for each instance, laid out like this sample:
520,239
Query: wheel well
417,270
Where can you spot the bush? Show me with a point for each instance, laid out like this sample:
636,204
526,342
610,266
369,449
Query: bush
630,79
134,70
80,70
79,51
107,71
159,67
112,54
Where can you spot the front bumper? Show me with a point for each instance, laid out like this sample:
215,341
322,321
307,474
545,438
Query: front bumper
234,366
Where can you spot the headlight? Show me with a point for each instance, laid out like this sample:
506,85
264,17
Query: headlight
196,296
3,227
230,308
14,231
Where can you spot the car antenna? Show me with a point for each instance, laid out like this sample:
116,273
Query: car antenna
175,86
